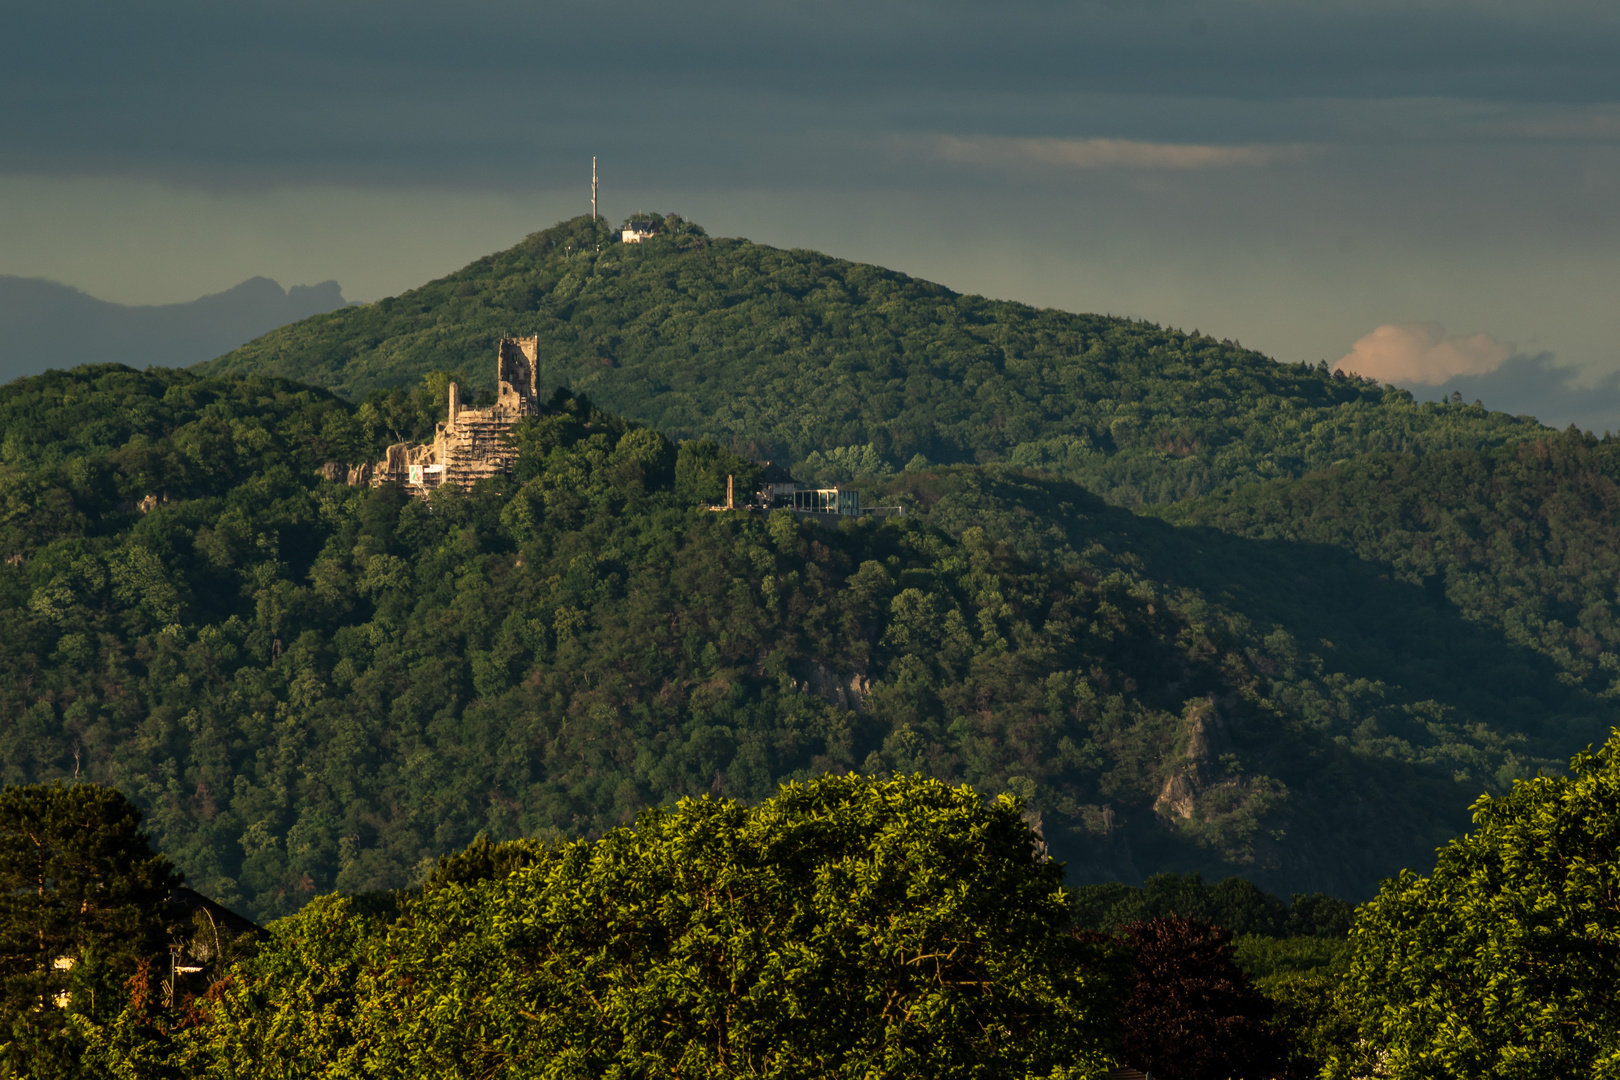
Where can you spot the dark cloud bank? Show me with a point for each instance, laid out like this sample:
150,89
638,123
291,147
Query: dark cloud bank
493,91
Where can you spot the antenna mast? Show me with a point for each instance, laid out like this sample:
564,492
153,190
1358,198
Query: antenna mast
593,187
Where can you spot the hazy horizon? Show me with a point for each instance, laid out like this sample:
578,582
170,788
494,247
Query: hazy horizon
1536,385
1433,191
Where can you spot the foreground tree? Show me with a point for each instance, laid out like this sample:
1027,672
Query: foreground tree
845,928
1504,963
83,903
1191,1013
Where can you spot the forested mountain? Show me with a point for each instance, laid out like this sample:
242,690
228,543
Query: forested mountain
309,686
845,369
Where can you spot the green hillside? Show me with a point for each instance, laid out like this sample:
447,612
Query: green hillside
1522,540
308,686
788,354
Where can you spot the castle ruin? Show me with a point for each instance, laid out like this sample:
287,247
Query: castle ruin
471,444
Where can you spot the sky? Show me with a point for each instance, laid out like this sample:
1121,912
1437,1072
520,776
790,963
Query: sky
1424,192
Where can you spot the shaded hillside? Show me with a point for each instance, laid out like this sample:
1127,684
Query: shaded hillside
1383,664
785,354
1523,540
310,686
1388,640
47,325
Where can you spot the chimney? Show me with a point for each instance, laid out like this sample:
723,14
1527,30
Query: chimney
730,501
455,403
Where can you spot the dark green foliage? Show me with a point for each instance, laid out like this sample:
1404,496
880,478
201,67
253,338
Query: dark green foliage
485,860
784,354
1235,903
1384,668
701,469
1295,953
83,904
308,686
1191,1013
1524,540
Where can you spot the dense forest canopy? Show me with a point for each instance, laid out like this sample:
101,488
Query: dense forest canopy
1346,616
842,928
1523,539
843,369
309,686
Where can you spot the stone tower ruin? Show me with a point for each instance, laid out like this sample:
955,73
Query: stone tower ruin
517,367
471,444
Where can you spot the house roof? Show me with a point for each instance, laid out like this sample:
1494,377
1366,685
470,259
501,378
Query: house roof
185,903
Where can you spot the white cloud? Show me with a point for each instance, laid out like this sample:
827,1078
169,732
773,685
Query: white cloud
1421,353
1107,153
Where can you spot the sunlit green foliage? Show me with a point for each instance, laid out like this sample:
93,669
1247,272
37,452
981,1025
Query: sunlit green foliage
1503,962
784,354
844,927
298,1008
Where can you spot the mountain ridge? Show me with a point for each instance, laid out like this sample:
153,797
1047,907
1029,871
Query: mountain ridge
785,354
45,324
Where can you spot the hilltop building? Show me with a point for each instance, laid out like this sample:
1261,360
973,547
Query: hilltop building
471,444
635,232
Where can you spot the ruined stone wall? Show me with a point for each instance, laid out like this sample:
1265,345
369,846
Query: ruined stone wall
471,444
517,366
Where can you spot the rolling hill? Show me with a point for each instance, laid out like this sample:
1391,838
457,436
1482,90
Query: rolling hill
1343,615
309,687
843,369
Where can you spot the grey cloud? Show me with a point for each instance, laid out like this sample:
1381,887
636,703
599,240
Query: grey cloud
438,90
1556,394
1364,161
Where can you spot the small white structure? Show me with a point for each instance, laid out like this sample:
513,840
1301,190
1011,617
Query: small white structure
637,231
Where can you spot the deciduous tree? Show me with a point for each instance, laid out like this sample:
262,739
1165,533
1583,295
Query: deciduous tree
1191,1013
1504,962
847,927
83,901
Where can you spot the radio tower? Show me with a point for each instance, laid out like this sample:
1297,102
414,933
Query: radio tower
593,187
